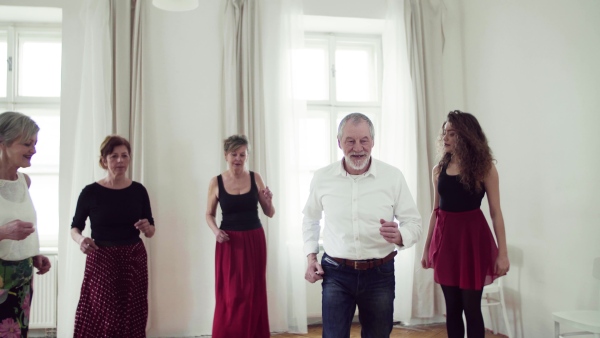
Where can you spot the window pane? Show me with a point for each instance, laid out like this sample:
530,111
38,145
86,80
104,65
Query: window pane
3,64
314,73
39,68
355,75
44,193
315,140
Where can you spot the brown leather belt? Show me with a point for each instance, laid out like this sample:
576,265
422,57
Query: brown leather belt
366,264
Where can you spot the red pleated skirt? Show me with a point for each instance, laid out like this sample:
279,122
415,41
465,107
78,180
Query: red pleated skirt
463,251
241,286
114,294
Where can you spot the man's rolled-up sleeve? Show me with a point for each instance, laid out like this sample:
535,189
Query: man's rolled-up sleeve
408,216
311,223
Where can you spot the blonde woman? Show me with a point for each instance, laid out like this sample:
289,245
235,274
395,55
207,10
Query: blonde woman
19,243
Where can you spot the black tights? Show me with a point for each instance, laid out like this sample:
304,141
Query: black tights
469,301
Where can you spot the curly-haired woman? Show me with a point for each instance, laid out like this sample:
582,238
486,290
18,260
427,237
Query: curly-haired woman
460,246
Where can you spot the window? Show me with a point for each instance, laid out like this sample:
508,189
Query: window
341,74
30,84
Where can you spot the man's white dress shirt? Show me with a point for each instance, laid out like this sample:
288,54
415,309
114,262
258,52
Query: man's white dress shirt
353,206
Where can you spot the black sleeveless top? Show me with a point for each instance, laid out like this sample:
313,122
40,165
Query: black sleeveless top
453,195
240,212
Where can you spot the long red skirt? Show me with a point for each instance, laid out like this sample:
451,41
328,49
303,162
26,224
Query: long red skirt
241,286
463,251
114,294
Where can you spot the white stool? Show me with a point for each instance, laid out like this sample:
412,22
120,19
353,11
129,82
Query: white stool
588,321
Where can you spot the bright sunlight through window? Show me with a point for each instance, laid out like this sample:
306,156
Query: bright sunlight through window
30,84
338,75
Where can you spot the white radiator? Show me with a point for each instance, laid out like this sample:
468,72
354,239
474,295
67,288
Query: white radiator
45,289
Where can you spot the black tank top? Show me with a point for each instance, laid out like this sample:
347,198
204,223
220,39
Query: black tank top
240,212
453,195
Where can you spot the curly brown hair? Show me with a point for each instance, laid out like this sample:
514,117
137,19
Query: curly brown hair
472,150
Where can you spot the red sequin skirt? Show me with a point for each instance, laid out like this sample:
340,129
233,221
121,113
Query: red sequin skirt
463,251
114,294
241,286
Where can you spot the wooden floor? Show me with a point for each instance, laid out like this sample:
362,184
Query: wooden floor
422,331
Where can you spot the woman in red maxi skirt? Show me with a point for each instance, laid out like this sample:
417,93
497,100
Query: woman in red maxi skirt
241,251
460,246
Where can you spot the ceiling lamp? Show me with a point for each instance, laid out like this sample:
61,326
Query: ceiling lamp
176,5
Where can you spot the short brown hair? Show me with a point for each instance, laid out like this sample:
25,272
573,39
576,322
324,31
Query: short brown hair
233,142
109,144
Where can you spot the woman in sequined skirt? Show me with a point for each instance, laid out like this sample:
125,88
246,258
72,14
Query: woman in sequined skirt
114,294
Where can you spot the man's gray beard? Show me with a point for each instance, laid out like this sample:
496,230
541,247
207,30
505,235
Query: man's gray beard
352,165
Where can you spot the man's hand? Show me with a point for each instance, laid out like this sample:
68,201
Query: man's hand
390,232
314,271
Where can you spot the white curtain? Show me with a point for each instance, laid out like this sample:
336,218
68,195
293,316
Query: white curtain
136,127
260,37
93,122
136,137
282,41
242,77
110,101
412,92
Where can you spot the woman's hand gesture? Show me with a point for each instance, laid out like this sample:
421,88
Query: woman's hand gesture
87,245
16,230
502,265
145,227
222,236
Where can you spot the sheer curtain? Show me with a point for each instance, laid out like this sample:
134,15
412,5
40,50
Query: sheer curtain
109,102
282,42
260,37
412,96
92,123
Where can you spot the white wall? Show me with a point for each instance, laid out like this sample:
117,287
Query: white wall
372,9
532,77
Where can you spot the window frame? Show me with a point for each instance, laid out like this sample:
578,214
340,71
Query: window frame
334,106
14,33
43,106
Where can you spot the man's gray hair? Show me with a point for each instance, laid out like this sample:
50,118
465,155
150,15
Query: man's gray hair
355,118
14,126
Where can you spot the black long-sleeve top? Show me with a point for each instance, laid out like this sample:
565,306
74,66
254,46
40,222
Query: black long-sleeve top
113,212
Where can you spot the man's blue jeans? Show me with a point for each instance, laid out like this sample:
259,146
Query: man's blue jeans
371,290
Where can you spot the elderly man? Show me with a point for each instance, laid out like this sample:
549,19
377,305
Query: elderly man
360,197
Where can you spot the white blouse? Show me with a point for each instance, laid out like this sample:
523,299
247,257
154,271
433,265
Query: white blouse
15,203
